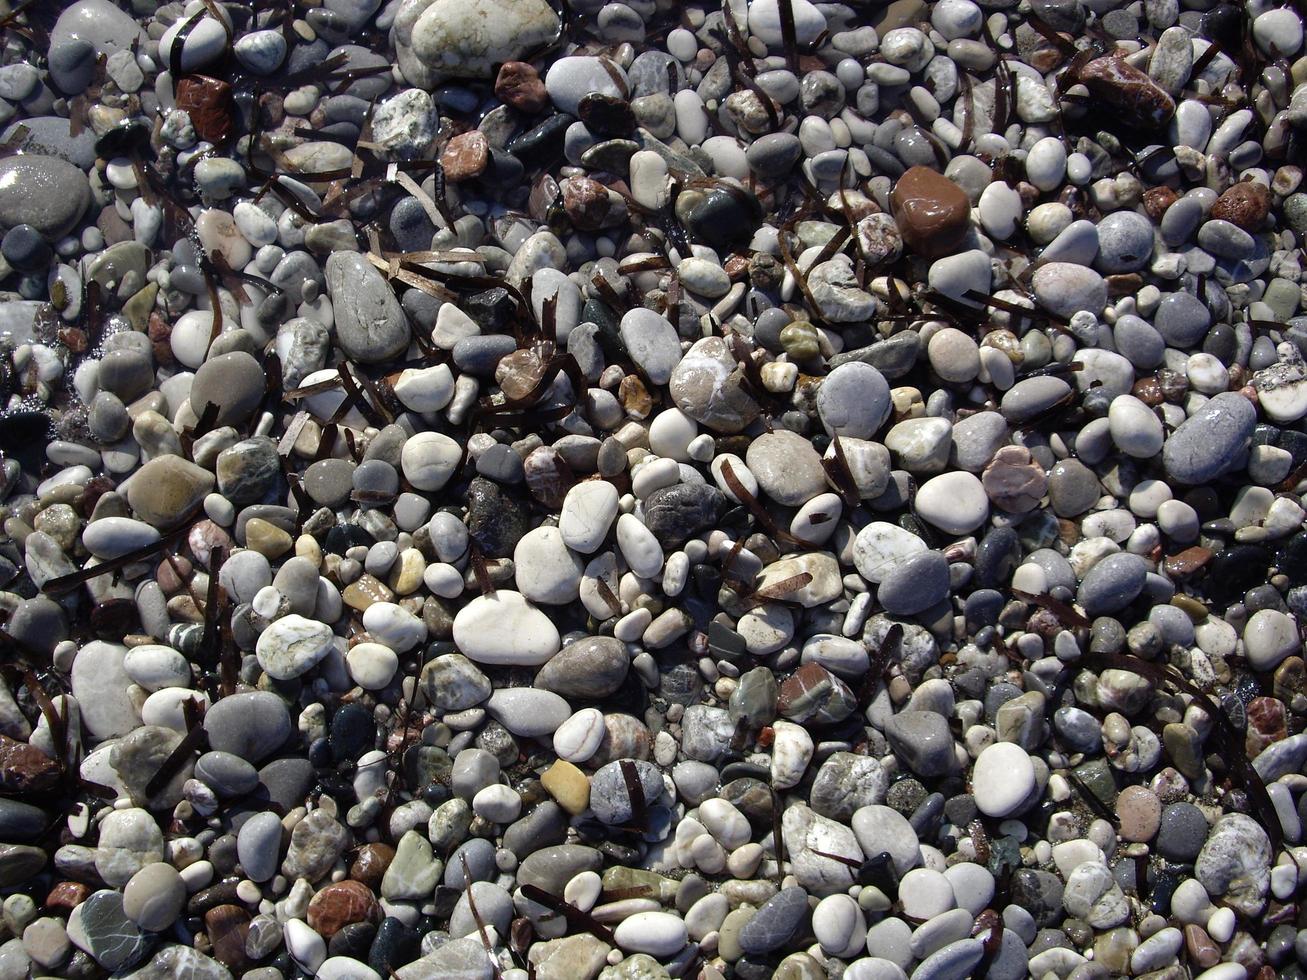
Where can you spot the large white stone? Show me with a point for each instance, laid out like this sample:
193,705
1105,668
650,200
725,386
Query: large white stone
292,646
503,628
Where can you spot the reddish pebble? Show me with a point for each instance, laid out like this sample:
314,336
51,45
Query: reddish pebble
520,86
1244,204
1157,200
932,212
204,539
1014,481
1140,813
338,905
586,202
371,863
208,102
1267,723
465,156
160,333
66,896
1202,951
227,926
25,768
1187,562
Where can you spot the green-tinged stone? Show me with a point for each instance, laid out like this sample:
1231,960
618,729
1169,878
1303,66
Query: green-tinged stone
622,879
137,308
1097,777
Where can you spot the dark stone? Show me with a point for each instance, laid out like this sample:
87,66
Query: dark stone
751,796
1292,559
1040,894
478,854
287,781
543,143
394,946
544,826
680,684
605,115
1237,569
342,537
353,940
25,249
776,922
675,514
496,518
591,667
893,357
1182,832
996,558
492,309
353,732
722,218
20,821
410,226
926,817
722,640
116,942
1224,25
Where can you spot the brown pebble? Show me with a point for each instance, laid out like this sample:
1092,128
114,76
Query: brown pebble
1014,481
465,156
518,373
1140,813
1290,679
1245,204
585,202
208,102
606,115
1133,98
66,896
1148,390
1200,947
204,539
520,86
932,212
635,397
371,863
25,768
1267,723
227,926
160,333
341,904
174,575
544,192
547,476
1157,200
1187,562
813,693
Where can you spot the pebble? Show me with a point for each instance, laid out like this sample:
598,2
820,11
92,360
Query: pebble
560,510
42,192
504,628
1003,780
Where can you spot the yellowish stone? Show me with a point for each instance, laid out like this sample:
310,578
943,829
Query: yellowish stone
568,785
137,309
364,592
266,538
406,576
306,546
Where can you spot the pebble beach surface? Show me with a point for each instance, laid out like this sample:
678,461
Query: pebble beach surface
629,490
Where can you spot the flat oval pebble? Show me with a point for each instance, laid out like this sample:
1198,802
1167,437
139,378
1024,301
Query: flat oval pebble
1003,779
